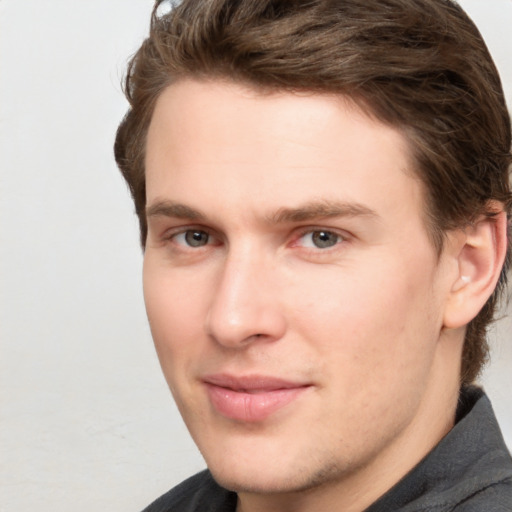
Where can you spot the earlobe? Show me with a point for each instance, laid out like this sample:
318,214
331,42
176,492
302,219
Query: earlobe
480,261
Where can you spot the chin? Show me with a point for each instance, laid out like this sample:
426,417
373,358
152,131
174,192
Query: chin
274,478
258,484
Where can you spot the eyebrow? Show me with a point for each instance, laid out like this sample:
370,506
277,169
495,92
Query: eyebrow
321,210
309,211
176,210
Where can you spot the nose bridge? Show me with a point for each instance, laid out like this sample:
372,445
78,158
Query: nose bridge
245,305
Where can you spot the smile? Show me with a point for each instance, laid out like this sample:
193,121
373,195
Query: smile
250,399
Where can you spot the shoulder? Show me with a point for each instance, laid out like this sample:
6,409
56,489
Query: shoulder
199,493
494,498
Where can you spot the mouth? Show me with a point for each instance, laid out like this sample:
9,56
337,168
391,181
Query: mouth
250,398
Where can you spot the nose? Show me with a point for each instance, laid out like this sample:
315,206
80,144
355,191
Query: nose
245,306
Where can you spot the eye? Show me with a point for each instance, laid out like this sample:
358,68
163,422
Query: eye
320,239
192,238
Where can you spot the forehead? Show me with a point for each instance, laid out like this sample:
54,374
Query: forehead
254,150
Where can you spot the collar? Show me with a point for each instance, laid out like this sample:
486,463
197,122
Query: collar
469,459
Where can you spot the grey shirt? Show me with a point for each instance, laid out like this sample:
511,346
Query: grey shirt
470,470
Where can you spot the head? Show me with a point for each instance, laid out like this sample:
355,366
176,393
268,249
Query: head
420,67
315,182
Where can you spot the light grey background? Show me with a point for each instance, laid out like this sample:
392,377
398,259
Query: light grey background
87,422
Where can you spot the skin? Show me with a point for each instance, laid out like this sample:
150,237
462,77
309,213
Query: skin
360,321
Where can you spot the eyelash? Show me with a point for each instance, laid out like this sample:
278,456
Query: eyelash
172,235
312,231
194,232
340,238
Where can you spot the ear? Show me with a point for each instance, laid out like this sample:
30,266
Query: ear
480,260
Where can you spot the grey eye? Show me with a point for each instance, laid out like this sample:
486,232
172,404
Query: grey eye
324,239
196,238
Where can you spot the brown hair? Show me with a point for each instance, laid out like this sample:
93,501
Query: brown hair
420,66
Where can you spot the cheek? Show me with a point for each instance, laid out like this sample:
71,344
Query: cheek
174,310
374,344
174,313
376,321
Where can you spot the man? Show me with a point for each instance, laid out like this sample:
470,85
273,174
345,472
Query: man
322,189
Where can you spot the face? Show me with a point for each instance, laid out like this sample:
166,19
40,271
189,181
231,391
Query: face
293,294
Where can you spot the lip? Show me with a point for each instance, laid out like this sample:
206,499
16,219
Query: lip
250,398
